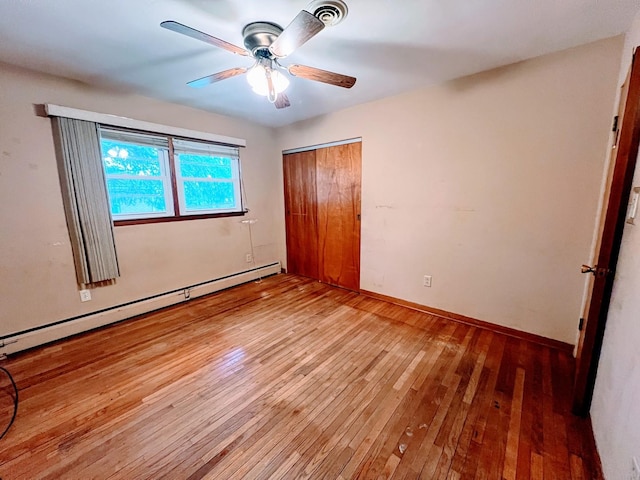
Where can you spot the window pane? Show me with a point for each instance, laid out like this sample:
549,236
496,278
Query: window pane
146,192
124,158
128,196
209,195
202,166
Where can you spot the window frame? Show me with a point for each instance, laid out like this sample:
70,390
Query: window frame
235,180
163,157
174,194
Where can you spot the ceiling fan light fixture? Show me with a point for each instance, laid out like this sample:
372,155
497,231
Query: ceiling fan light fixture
268,42
266,81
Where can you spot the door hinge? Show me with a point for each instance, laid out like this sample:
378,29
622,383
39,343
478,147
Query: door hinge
581,324
615,124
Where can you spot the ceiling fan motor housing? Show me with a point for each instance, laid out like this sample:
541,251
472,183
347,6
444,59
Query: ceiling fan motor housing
330,12
259,35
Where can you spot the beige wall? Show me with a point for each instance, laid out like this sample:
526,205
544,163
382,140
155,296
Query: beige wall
489,184
616,402
37,279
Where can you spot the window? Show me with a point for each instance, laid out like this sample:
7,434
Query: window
138,174
165,178
207,177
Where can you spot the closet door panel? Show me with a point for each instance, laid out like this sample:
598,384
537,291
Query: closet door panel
338,179
301,213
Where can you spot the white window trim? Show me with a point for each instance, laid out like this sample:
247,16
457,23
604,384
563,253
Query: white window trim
117,121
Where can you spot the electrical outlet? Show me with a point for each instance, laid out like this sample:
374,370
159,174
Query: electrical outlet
248,258
635,468
427,281
85,295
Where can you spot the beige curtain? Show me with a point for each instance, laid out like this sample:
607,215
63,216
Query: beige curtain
85,199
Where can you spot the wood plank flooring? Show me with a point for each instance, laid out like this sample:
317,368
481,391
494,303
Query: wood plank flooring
290,378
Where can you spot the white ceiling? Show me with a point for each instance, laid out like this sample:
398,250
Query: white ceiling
389,45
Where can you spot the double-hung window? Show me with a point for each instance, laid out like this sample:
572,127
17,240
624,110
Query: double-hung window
208,177
160,177
138,174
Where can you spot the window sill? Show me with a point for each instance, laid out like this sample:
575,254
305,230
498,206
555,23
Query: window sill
142,221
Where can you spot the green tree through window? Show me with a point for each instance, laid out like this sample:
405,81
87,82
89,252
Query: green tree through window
139,176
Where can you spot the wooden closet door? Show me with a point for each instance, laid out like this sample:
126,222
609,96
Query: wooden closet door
301,213
338,179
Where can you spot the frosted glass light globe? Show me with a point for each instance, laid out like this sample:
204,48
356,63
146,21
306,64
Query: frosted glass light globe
257,78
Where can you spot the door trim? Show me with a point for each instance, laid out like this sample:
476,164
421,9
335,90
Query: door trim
323,145
611,239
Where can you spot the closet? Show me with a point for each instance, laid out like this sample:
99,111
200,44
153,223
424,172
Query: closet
322,213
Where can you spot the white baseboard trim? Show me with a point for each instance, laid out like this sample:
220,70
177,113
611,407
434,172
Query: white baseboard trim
46,334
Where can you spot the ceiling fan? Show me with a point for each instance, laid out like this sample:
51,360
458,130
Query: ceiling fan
268,43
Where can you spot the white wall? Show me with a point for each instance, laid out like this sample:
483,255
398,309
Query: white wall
615,411
37,279
488,183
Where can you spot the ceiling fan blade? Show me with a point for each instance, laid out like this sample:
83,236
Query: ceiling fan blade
302,29
198,35
311,73
282,101
216,77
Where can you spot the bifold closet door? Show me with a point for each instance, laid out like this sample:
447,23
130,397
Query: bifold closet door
322,207
301,213
338,179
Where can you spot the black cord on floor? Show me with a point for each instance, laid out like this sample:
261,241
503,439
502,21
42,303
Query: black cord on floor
15,402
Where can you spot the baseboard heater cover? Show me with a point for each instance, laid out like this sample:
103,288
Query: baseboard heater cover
66,328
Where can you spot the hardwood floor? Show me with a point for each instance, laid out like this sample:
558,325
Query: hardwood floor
290,378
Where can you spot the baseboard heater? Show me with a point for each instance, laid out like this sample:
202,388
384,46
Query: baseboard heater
36,336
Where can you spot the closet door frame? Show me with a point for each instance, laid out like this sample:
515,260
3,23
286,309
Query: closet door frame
304,237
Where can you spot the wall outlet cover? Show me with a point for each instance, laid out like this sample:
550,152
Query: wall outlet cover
85,295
